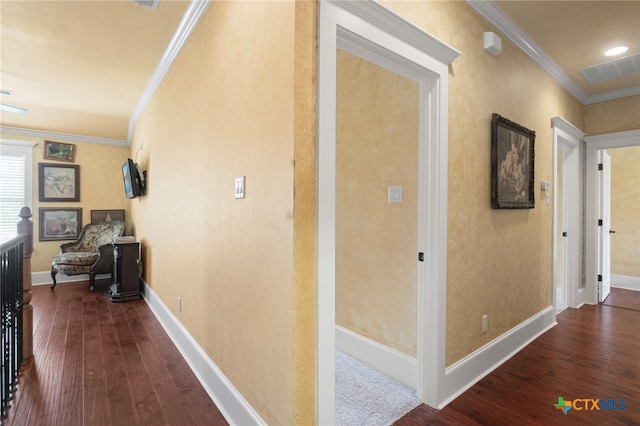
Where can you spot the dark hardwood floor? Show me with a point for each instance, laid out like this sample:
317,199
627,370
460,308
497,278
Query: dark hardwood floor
623,298
593,353
102,363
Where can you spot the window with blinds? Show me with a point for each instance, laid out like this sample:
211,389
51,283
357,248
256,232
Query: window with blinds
14,183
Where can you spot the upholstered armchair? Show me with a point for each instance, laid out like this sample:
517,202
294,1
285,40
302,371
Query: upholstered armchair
91,254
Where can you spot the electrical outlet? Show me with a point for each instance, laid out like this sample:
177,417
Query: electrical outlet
179,304
485,323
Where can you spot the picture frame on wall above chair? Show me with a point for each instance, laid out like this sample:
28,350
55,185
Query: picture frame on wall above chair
58,182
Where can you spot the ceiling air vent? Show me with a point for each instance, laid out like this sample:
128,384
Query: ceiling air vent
151,4
611,70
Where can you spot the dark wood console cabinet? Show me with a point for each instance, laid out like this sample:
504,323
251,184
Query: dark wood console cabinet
126,272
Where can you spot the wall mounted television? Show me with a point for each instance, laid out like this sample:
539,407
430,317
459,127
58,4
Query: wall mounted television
134,179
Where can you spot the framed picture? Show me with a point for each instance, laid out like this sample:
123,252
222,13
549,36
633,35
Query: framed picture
60,223
98,216
59,151
512,161
59,182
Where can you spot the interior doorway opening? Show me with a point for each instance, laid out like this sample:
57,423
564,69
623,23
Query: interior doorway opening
593,251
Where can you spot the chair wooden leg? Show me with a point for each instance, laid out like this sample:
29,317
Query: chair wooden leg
53,277
92,280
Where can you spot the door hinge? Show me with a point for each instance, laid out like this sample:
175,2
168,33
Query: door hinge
600,166
421,256
599,222
564,234
599,278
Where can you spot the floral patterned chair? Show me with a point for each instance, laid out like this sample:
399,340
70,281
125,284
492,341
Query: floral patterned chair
91,254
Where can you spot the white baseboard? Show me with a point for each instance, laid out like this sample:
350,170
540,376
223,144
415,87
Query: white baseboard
44,278
625,281
389,361
232,405
463,374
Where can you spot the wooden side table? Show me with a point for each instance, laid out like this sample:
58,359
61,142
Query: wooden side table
126,272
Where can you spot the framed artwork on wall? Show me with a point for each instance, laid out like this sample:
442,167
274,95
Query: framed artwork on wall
59,223
512,165
59,151
98,216
58,182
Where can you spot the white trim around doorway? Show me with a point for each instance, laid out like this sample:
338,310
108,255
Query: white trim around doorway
569,136
385,37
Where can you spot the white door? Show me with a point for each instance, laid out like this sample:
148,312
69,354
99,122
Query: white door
605,229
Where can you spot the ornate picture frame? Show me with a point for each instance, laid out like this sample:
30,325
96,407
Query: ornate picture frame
60,223
59,151
58,182
512,165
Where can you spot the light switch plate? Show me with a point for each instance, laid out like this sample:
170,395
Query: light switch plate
239,192
394,194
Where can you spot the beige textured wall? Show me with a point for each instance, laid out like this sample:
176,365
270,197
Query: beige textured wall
101,188
376,242
625,211
613,116
227,108
499,261
304,212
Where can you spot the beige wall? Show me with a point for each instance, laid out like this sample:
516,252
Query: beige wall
376,242
101,188
625,211
613,116
245,273
499,261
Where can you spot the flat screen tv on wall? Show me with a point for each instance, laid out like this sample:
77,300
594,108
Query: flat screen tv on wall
134,184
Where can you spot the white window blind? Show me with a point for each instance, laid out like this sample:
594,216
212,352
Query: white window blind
15,187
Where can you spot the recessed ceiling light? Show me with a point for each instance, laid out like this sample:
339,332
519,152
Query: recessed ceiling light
616,51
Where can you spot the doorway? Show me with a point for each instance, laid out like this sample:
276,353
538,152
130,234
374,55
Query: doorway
377,213
567,227
619,233
593,252
371,31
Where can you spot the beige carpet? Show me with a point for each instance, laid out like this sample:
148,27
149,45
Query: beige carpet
366,397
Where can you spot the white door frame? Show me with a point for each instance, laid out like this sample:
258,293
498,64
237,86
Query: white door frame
372,28
569,136
593,145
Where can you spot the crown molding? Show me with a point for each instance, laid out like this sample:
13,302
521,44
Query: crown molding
498,18
190,19
65,136
615,94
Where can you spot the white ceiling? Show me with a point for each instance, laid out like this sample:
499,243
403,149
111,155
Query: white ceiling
81,67
575,35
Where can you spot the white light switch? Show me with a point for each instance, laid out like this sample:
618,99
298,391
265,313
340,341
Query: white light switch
394,194
239,193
